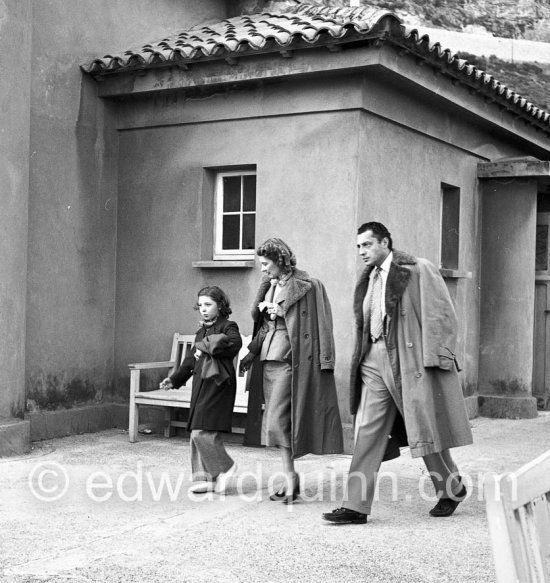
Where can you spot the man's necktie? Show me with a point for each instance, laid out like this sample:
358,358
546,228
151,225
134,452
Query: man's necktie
376,319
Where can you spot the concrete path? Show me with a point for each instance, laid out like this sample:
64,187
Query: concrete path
96,508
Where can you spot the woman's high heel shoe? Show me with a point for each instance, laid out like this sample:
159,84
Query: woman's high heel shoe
290,499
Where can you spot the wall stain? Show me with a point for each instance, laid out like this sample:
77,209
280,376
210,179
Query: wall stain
50,393
511,387
469,389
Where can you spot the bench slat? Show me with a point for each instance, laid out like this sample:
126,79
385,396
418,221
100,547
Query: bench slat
147,365
175,398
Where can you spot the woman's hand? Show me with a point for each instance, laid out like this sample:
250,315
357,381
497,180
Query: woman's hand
166,384
275,310
246,362
198,354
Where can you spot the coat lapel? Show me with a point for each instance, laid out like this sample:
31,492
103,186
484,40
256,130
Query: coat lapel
260,295
296,288
360,293
398,279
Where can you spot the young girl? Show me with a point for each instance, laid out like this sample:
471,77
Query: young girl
210,361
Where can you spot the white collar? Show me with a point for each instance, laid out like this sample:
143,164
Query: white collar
385,267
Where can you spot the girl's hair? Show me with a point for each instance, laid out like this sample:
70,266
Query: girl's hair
219,296
279,252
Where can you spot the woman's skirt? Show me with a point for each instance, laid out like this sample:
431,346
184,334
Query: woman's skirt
276,422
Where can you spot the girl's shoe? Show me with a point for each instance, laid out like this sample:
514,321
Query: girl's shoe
202,487
223,479
278,496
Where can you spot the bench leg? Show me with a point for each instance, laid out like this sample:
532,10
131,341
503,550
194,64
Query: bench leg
134,409
169,429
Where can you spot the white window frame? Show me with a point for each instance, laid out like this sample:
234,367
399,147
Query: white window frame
229,254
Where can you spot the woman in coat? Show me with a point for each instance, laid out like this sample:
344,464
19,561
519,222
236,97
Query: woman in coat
293,344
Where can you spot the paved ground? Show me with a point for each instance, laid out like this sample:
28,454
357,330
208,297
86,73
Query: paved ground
94,508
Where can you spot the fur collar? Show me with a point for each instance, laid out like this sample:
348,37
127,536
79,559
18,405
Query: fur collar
296,288
398,279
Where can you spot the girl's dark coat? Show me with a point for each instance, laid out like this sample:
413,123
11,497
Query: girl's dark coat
316,425
212,404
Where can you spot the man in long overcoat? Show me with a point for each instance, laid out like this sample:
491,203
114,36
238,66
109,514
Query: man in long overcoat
405,388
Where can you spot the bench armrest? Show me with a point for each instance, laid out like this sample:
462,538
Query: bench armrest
146,365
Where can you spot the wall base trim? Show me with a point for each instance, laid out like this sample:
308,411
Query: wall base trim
15,437
507,407
86,419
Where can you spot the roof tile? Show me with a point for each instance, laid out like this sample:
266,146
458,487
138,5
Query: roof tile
313,24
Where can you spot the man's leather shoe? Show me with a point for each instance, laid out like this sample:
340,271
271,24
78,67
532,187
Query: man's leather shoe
345,516
446,506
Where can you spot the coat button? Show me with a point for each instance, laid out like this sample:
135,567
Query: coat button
309,357
306,336
409,344
418,375
304,313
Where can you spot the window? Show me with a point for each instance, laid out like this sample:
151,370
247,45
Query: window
541,258
235,215
450,226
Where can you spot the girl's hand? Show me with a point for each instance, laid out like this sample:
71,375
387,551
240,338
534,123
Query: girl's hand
198,354
166,384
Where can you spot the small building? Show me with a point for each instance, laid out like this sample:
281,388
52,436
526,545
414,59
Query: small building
303,125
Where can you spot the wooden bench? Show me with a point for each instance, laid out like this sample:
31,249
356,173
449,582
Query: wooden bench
175,398
518,511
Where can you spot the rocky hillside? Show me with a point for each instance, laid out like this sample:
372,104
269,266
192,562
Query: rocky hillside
527,19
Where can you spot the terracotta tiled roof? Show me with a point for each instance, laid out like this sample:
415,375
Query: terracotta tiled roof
242,34
308,26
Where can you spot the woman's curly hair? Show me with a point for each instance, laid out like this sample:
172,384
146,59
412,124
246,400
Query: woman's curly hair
219,296
279,252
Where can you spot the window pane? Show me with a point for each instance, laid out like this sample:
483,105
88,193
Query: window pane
231,194
542,248
450,227
249,193
231,234
249,231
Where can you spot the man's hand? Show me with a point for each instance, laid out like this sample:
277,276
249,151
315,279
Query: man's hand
246,362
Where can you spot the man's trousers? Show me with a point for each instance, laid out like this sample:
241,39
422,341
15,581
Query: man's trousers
373,425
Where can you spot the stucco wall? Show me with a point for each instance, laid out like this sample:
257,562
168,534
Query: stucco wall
72,209
330,154
423,143
305,195
15,50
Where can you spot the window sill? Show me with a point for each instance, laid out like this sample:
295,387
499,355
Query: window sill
455,274
219,264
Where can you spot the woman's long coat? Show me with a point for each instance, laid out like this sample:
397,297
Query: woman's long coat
316,425
213,397
421,339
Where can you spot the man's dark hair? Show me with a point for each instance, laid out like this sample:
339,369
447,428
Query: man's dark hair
379,231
